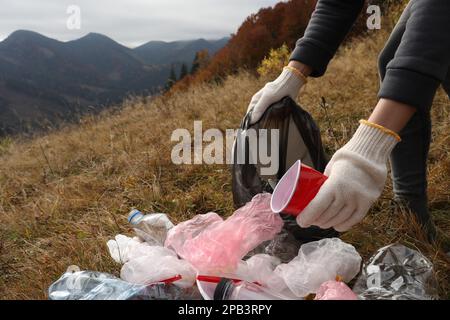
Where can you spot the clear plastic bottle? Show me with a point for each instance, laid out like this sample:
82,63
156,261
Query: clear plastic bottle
89,285
229,290
152,228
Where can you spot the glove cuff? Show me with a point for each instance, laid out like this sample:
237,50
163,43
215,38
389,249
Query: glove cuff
373,142
299,74
291,81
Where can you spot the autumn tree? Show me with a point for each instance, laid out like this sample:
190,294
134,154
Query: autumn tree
200,61
268,29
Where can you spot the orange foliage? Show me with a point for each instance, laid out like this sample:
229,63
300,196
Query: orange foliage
268,29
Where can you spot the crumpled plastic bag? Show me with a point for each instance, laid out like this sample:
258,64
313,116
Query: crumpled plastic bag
123,249
152,228
316,263
155,268
257,269
260,268
222,244
396,272
146,264
335,290
187,230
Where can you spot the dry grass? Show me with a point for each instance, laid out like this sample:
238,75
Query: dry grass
62,196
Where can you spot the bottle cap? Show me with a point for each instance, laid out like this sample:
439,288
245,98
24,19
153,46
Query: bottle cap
133,215
73,269
224,289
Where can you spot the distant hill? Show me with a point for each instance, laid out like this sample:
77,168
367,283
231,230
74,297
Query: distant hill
160,52
44,81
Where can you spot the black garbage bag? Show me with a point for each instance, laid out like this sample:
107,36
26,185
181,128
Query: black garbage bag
298,138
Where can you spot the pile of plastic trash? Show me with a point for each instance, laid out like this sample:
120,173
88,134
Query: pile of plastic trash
207,257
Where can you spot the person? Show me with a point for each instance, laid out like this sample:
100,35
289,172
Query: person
413,64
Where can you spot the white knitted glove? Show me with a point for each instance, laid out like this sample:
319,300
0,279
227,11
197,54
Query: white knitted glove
356,177
287,84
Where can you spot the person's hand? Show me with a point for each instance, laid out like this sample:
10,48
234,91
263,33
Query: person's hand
287,84
356,177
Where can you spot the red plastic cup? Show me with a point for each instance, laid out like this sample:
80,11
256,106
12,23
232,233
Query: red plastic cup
296,189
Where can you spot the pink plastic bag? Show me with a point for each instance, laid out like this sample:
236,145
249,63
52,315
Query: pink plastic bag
222,244
187,230
334,290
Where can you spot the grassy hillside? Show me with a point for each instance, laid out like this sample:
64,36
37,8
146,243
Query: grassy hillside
62,196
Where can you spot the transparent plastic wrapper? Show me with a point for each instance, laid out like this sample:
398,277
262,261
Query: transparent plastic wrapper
123,249
261,267
258,269
152,228
151,269
89,285
396,272
316,263
145,264
222,244
335,290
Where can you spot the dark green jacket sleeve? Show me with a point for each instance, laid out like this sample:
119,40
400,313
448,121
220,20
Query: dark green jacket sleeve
329,24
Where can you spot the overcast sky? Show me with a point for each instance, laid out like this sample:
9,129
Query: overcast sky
130,22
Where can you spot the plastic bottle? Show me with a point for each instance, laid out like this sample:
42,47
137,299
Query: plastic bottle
152,228
227,289
89,285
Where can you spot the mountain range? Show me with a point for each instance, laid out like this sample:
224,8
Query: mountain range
44,81
162,53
